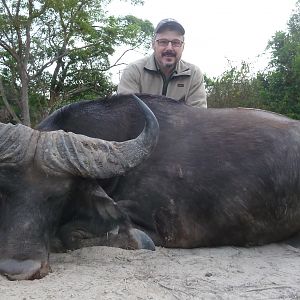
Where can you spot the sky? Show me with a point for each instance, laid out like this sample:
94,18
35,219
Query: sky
217,31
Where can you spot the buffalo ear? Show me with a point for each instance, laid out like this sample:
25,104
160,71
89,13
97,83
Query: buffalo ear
97,199
106,206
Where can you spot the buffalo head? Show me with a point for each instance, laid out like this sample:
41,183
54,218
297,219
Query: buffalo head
37,172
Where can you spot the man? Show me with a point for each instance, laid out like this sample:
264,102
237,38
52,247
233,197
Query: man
164,73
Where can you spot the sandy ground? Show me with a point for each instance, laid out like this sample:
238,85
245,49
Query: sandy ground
268,272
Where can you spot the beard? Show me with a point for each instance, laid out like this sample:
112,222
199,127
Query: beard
169,55
169,66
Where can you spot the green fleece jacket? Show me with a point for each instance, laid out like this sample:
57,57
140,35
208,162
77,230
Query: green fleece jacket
186,82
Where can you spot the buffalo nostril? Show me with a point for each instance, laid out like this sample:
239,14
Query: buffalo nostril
23,269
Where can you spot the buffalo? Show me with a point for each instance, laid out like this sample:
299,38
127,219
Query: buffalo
40,172
216,177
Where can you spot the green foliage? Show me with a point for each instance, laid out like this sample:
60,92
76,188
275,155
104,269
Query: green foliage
282,82
236,87
277,89
57,51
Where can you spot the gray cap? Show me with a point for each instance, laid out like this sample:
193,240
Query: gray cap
169,24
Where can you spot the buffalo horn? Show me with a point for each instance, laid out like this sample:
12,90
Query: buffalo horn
59,152
17,144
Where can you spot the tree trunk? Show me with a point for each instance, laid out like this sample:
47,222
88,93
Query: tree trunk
24,98
6,103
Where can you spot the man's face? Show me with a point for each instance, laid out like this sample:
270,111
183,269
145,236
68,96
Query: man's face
166,53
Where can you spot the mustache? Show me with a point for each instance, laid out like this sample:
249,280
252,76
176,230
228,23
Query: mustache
169,53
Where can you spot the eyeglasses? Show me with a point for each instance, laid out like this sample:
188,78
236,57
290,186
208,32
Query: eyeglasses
165,43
